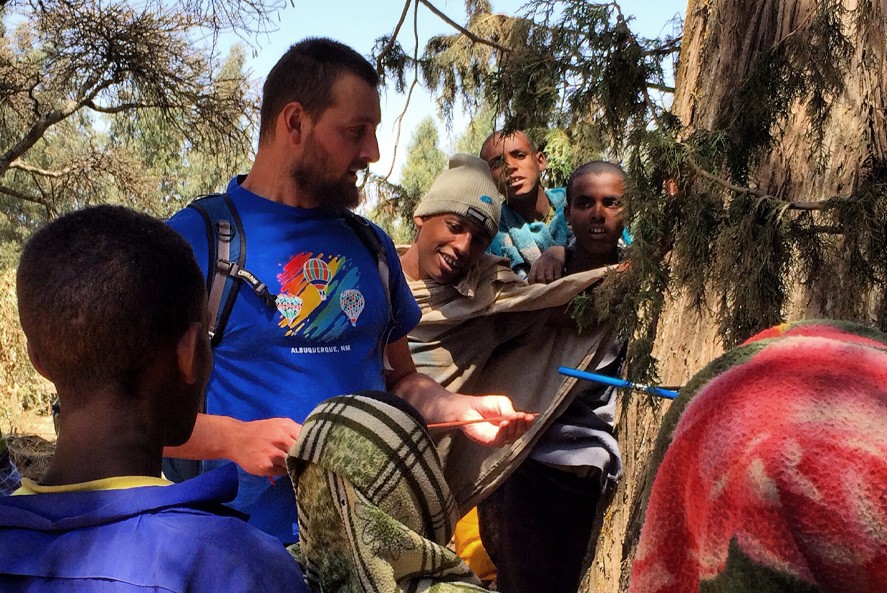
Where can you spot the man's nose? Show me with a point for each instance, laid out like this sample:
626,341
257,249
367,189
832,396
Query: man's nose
370,149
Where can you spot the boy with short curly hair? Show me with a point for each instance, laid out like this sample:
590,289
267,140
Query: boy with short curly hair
114,309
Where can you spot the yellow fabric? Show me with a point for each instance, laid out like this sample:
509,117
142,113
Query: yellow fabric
116,483
471,549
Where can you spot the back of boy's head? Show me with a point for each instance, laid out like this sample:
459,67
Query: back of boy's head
102,291
592,168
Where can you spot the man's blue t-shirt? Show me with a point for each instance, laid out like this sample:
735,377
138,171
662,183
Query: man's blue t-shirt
325,337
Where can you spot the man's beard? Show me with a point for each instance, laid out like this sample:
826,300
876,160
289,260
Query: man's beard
313,178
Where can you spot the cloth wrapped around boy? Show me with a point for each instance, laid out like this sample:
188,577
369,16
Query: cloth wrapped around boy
773,473
375,513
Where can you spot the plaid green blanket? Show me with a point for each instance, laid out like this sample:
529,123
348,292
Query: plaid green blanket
375,514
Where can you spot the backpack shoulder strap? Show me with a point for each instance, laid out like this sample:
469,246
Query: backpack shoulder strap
226,242
361,226
223,226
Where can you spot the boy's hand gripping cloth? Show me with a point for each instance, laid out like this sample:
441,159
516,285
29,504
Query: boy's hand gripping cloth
375,514
775,473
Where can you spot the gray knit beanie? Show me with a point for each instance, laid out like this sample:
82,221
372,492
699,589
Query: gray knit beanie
466,189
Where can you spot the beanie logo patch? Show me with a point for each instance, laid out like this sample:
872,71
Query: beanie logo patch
486,199
476,215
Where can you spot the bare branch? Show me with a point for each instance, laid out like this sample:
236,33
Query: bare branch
406,106
35,102
671,47
36,132
399,121
123,107
463,30
393,39
660,87
22,166
26,197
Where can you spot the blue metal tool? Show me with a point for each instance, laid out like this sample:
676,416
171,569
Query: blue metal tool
588,376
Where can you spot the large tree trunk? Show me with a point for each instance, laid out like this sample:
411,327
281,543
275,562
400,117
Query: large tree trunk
721,43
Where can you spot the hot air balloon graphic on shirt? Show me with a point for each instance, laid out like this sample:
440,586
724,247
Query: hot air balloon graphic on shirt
289,306
317,273
352,304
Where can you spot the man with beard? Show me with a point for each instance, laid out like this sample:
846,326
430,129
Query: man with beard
330,329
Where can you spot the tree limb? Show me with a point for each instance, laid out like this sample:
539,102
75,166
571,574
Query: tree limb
120,108
726,184
406,106
665,49
660,87
393,39
463,30
26,197
43,123
399,121
22,166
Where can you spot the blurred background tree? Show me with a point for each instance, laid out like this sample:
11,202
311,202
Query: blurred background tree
109,101
425,160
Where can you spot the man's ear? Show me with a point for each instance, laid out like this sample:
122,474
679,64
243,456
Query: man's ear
188,353
292,120
418,221
35,360
542,160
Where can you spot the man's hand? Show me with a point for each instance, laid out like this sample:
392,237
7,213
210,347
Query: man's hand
549,267
260,446
496,433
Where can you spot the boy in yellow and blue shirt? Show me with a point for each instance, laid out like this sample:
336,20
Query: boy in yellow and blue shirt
114,309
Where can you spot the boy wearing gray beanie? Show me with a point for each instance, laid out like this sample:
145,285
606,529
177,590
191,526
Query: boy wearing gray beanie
484,329
457,220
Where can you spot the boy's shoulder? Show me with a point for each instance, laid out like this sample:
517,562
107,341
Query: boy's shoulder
186,539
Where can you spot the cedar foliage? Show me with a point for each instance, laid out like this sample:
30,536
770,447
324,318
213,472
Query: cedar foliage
701,219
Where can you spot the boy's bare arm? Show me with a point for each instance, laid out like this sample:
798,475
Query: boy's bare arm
259,446
437,404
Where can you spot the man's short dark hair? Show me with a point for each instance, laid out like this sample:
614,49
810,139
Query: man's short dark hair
592,168
102,291
306,73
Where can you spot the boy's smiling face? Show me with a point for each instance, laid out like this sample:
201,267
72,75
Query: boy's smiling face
595,212
448,245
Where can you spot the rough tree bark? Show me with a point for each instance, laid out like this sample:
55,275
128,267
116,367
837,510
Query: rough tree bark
721,41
